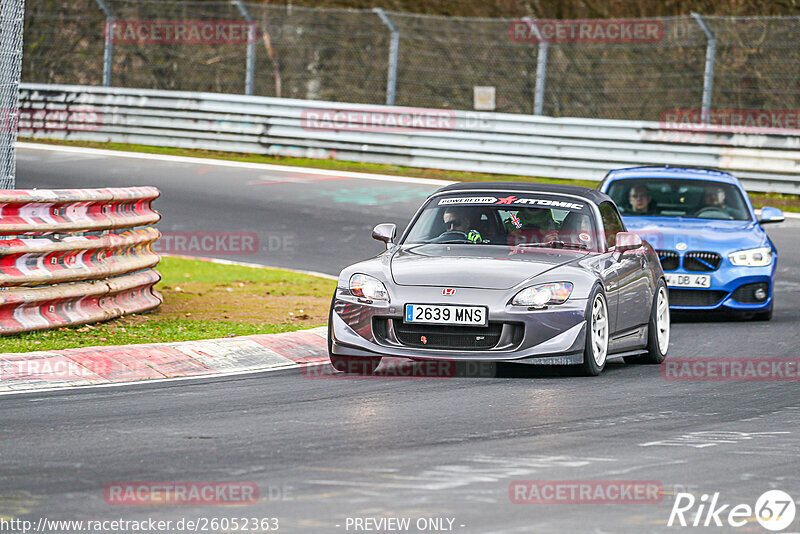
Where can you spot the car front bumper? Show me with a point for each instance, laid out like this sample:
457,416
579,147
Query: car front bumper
551,336
724,284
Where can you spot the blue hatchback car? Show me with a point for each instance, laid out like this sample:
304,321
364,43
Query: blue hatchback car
714,252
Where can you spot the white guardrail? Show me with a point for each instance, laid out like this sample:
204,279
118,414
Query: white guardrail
767,160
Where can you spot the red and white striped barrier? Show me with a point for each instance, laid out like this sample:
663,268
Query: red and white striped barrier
38,261
61,211
43,307
75,256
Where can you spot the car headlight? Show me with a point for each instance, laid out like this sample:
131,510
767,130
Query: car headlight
368,287
543,295
754,257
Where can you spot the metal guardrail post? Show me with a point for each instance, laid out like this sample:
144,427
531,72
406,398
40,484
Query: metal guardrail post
108,48
394,51
708,74
541,70
249,77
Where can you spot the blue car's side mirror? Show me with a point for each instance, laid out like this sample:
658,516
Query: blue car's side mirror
771,215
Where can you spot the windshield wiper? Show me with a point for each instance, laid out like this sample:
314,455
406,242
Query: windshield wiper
555,244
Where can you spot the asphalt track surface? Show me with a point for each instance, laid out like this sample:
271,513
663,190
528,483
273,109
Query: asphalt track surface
325,450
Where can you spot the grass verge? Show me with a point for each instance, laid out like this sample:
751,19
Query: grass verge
777,200
202,300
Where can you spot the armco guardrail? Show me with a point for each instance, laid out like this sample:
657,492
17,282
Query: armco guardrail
527,145
76,256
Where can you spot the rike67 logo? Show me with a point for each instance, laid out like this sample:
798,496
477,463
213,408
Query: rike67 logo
774,510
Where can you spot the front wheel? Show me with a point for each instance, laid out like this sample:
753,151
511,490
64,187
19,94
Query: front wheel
597,326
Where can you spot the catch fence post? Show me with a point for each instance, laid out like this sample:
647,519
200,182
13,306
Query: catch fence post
541,69
708,74
249,77
108,47
394,51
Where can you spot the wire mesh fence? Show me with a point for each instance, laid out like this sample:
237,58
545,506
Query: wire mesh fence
11,23
346,56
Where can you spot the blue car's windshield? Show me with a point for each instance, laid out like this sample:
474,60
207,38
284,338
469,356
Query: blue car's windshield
532,220
662,197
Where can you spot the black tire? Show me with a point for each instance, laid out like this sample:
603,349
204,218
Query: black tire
764,315
655,355
590,366
348,364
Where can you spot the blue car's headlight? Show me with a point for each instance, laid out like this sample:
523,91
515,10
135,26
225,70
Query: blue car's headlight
754,257
368,287
543,295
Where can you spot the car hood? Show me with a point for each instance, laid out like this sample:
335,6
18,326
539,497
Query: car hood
473,266
664,233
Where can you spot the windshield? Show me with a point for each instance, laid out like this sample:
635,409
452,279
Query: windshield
679,198
519,221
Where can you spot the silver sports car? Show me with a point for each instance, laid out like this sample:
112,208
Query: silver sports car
504,272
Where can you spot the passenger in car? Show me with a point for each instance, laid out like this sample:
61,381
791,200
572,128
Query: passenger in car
531,225
576,228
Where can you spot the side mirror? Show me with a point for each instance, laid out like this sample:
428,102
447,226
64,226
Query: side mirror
771,215
385,232
627,241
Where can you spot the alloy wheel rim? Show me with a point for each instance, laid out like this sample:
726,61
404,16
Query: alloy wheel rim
599,331
662,320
